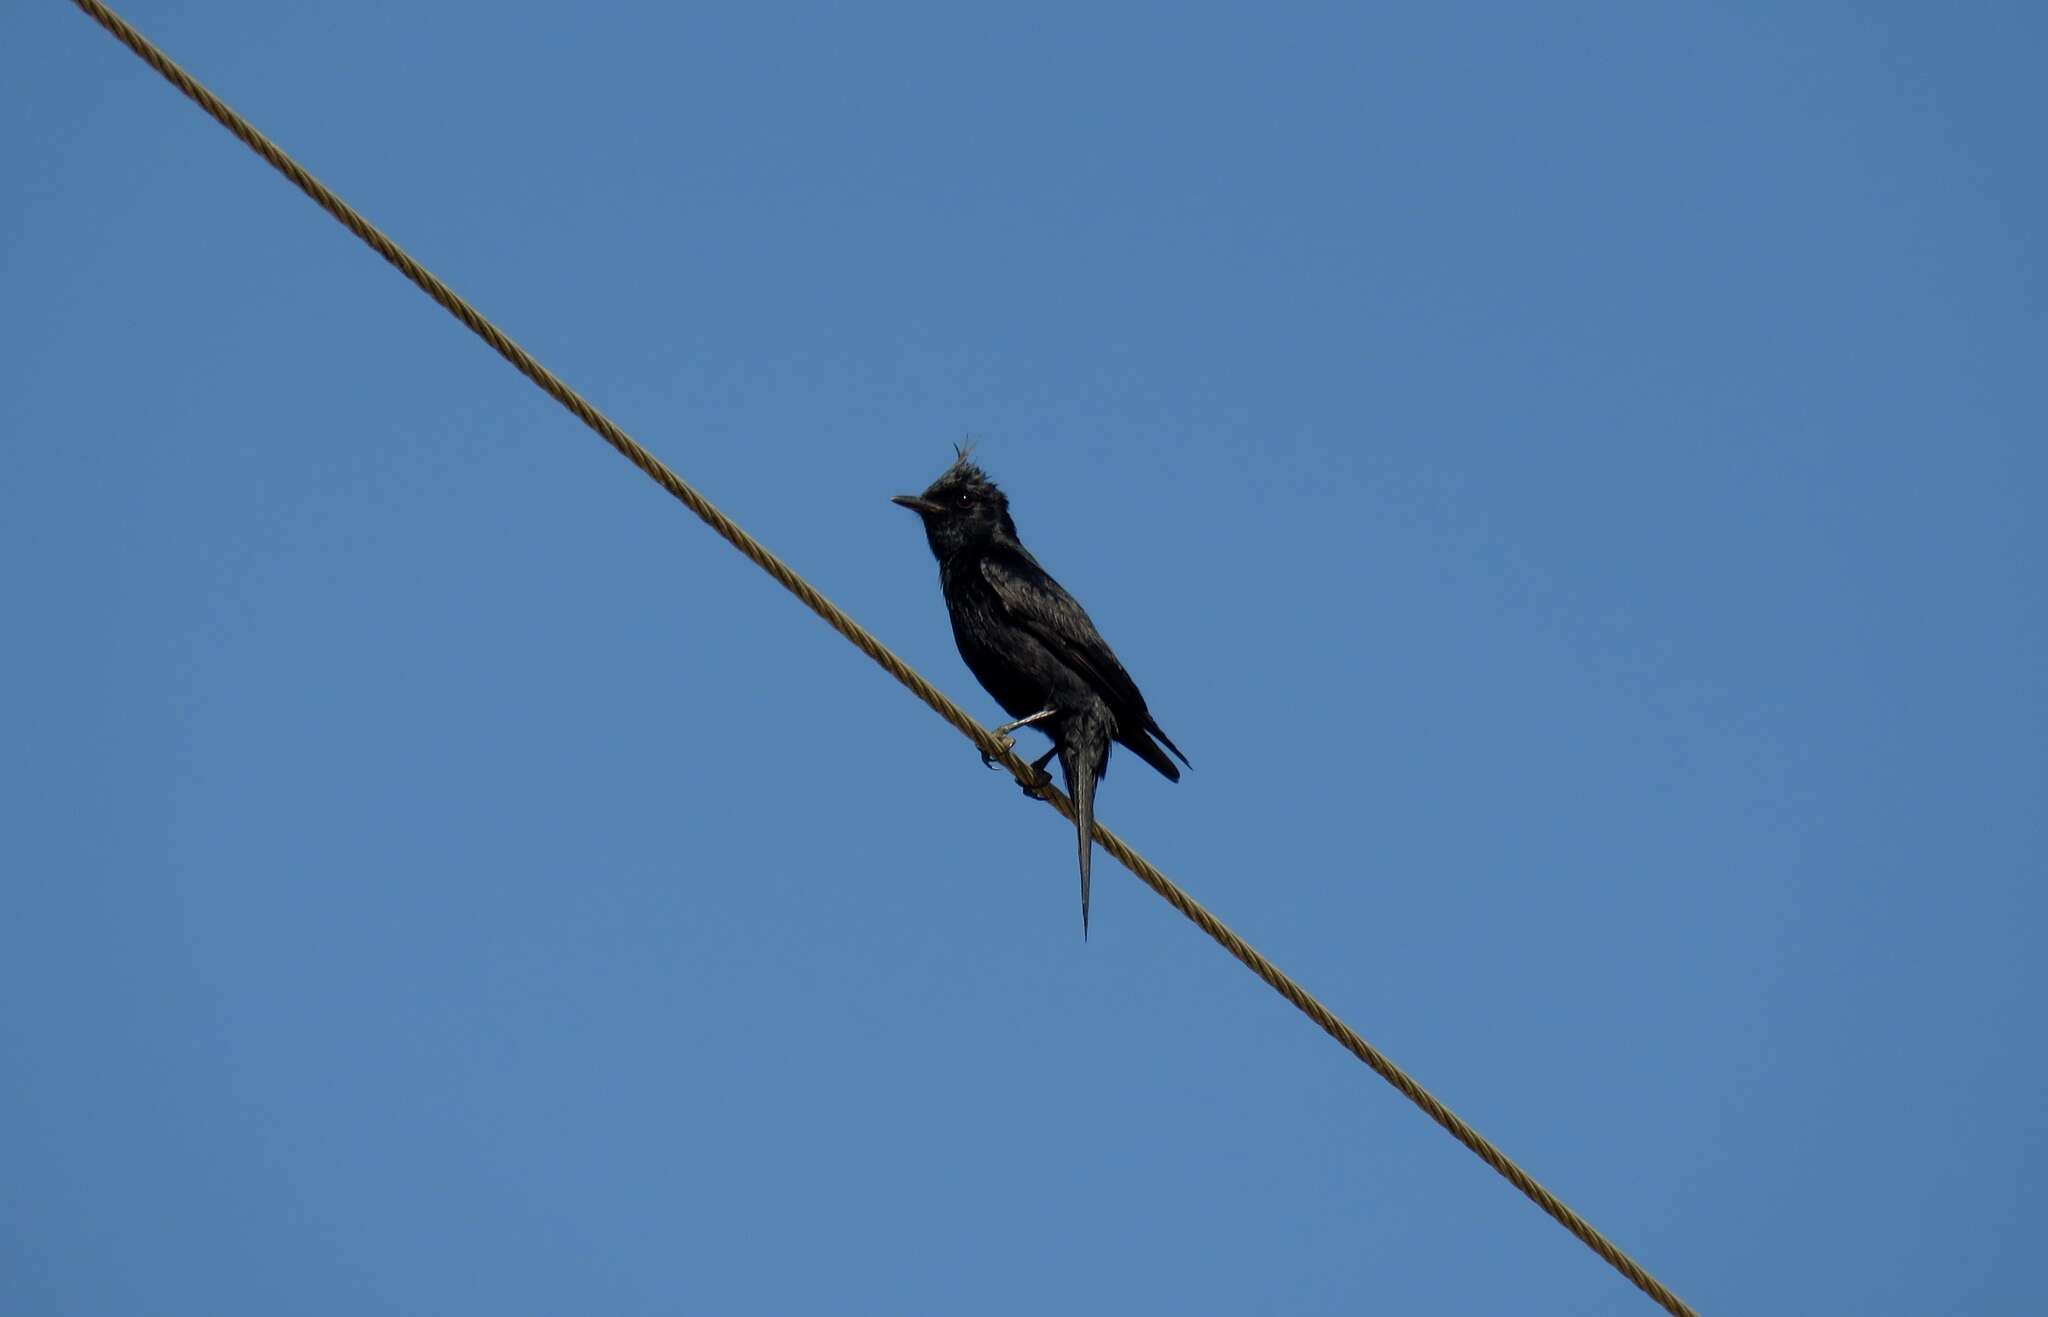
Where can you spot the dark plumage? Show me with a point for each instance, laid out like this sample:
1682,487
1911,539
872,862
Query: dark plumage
1031,646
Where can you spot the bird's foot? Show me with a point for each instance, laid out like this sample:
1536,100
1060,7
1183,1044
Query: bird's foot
1039,785
1008,743
1004,739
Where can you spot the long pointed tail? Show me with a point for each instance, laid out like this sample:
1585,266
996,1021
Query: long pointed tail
1084,748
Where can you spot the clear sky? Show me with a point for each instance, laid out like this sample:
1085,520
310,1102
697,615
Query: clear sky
1570,476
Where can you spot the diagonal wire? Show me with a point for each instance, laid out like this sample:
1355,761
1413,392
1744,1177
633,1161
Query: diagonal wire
787,577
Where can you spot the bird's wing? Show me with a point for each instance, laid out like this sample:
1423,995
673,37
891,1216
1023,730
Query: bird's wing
1037,603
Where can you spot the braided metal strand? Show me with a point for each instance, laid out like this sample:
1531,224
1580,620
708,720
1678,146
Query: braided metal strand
862,639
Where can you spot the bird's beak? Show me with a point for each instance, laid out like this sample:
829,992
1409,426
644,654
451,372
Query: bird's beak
914,503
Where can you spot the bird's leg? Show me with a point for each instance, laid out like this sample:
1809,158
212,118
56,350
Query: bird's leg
1002,733
1037,789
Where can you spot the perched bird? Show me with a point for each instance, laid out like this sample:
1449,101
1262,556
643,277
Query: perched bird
1031,646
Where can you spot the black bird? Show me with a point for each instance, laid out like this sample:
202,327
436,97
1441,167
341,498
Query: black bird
1031,646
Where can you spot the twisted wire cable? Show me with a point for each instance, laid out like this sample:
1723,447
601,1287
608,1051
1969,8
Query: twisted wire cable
786,576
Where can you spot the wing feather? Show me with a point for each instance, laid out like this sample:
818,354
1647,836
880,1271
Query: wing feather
1042,606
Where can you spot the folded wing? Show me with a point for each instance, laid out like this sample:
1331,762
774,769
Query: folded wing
1037,603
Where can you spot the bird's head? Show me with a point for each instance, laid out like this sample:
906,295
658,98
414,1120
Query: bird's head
962,509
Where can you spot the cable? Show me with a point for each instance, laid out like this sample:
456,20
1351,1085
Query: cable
787,577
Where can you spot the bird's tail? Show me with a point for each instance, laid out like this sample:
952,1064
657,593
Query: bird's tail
1143,746
1084,749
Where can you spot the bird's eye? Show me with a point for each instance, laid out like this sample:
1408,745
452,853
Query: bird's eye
964,500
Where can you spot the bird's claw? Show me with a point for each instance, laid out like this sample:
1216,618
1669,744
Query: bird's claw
1008,743
1037,787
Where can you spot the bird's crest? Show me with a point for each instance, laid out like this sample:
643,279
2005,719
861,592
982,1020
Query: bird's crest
966,477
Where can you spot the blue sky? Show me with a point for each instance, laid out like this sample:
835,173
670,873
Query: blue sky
1569,476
